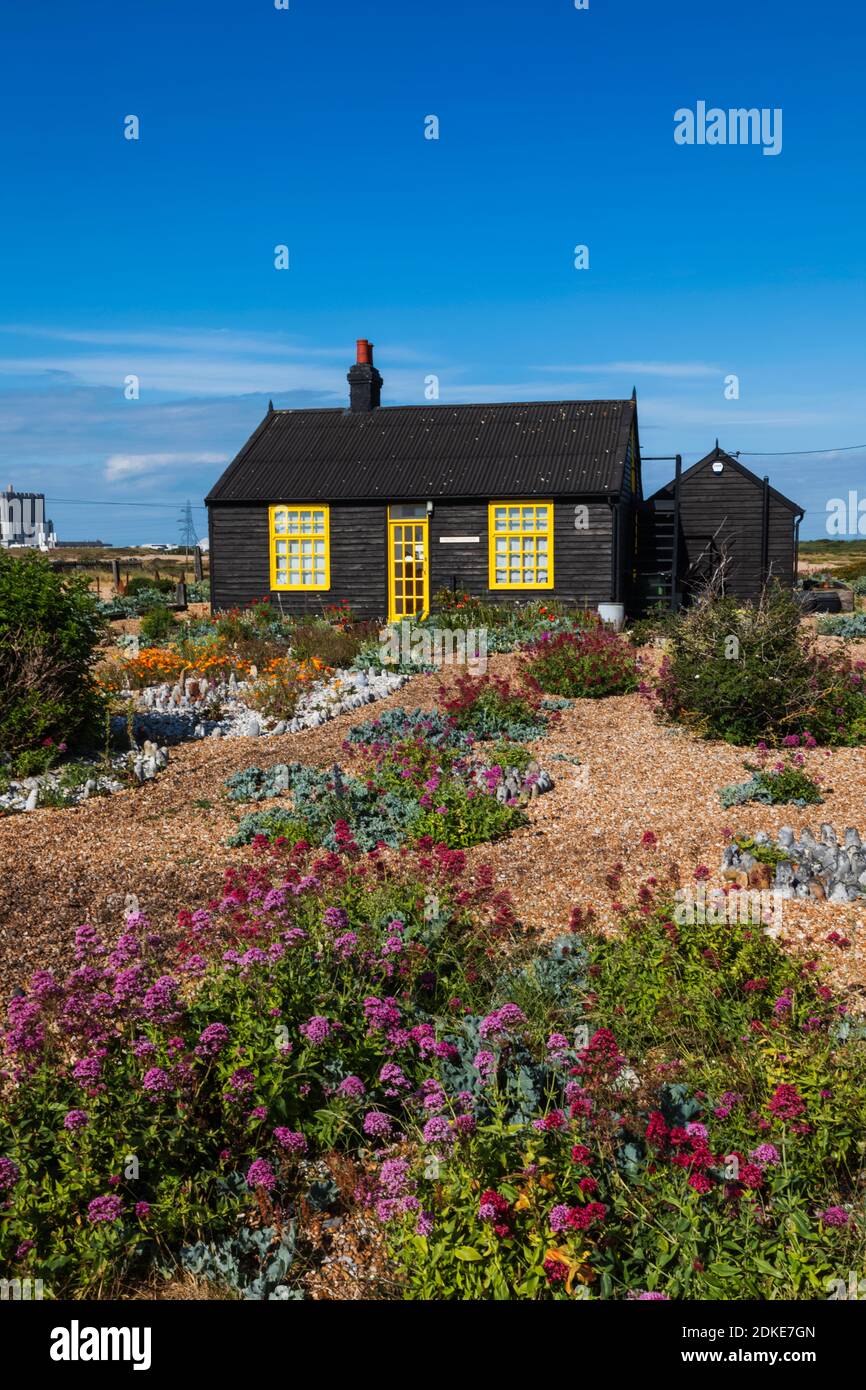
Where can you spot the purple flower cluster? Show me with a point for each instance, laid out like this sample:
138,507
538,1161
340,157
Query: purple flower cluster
261,1174
106,1208
316,1030
352,1087
291,1140
9,1173
212,1041
498,1025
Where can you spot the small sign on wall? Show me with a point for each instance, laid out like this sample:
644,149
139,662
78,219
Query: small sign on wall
459,540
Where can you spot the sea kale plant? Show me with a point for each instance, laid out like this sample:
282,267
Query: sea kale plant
411,777
777,779
491,707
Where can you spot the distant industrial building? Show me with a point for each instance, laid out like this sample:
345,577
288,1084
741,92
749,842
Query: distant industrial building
83,545
22,521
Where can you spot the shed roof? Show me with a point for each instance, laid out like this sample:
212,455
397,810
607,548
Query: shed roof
527,449
731,462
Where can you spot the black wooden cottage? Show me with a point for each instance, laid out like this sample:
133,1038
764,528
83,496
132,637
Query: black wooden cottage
383,506
720,521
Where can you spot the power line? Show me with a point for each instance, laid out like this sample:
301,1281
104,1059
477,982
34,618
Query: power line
92,502
798,453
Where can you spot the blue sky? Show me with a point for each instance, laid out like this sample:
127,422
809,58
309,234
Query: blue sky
305,127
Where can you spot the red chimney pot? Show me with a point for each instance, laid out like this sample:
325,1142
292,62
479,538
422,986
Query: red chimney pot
365,351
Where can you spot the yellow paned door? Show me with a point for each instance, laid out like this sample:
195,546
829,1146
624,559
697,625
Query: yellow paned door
408,593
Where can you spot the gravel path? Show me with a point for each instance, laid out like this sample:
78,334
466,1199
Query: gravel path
165,841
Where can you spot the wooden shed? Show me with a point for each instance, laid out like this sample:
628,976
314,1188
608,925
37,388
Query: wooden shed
719,517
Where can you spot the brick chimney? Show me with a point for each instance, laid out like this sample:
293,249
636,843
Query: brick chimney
365,383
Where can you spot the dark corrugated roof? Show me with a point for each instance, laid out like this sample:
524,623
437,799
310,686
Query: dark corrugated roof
570,447
730,462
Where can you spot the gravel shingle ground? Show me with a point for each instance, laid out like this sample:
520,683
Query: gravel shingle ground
165,841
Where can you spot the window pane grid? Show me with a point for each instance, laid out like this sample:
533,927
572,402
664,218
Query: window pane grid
521,545
300,549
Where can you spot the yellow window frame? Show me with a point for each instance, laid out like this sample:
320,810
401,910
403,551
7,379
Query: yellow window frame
527,533
301,512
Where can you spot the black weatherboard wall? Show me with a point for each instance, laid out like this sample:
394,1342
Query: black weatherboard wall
240,562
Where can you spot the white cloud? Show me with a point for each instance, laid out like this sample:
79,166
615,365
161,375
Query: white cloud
123,466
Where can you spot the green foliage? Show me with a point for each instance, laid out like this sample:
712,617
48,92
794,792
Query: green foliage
765,854
49,632
459,818
157,625
792,787
747,672
143,584
713,1021
585,665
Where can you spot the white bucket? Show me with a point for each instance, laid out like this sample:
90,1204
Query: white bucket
612,615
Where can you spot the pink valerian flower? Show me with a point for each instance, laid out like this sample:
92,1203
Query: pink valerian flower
765,1155
257,1114
159,1002
261,1174
345,945
565,1218
75,1120
157,1081
642,1296
834,1216
393,1079
485,1064
88,1070
240,1081
696,1131
107,1208
9,1174
212,1041
751,1175
600,1062
495,1210
438,1130
553,1120
497,1025
377,1125
786,1103
701,1183
381,1014
558,1047
142,1210
352,1087
657,1130
291,1140
316,1030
